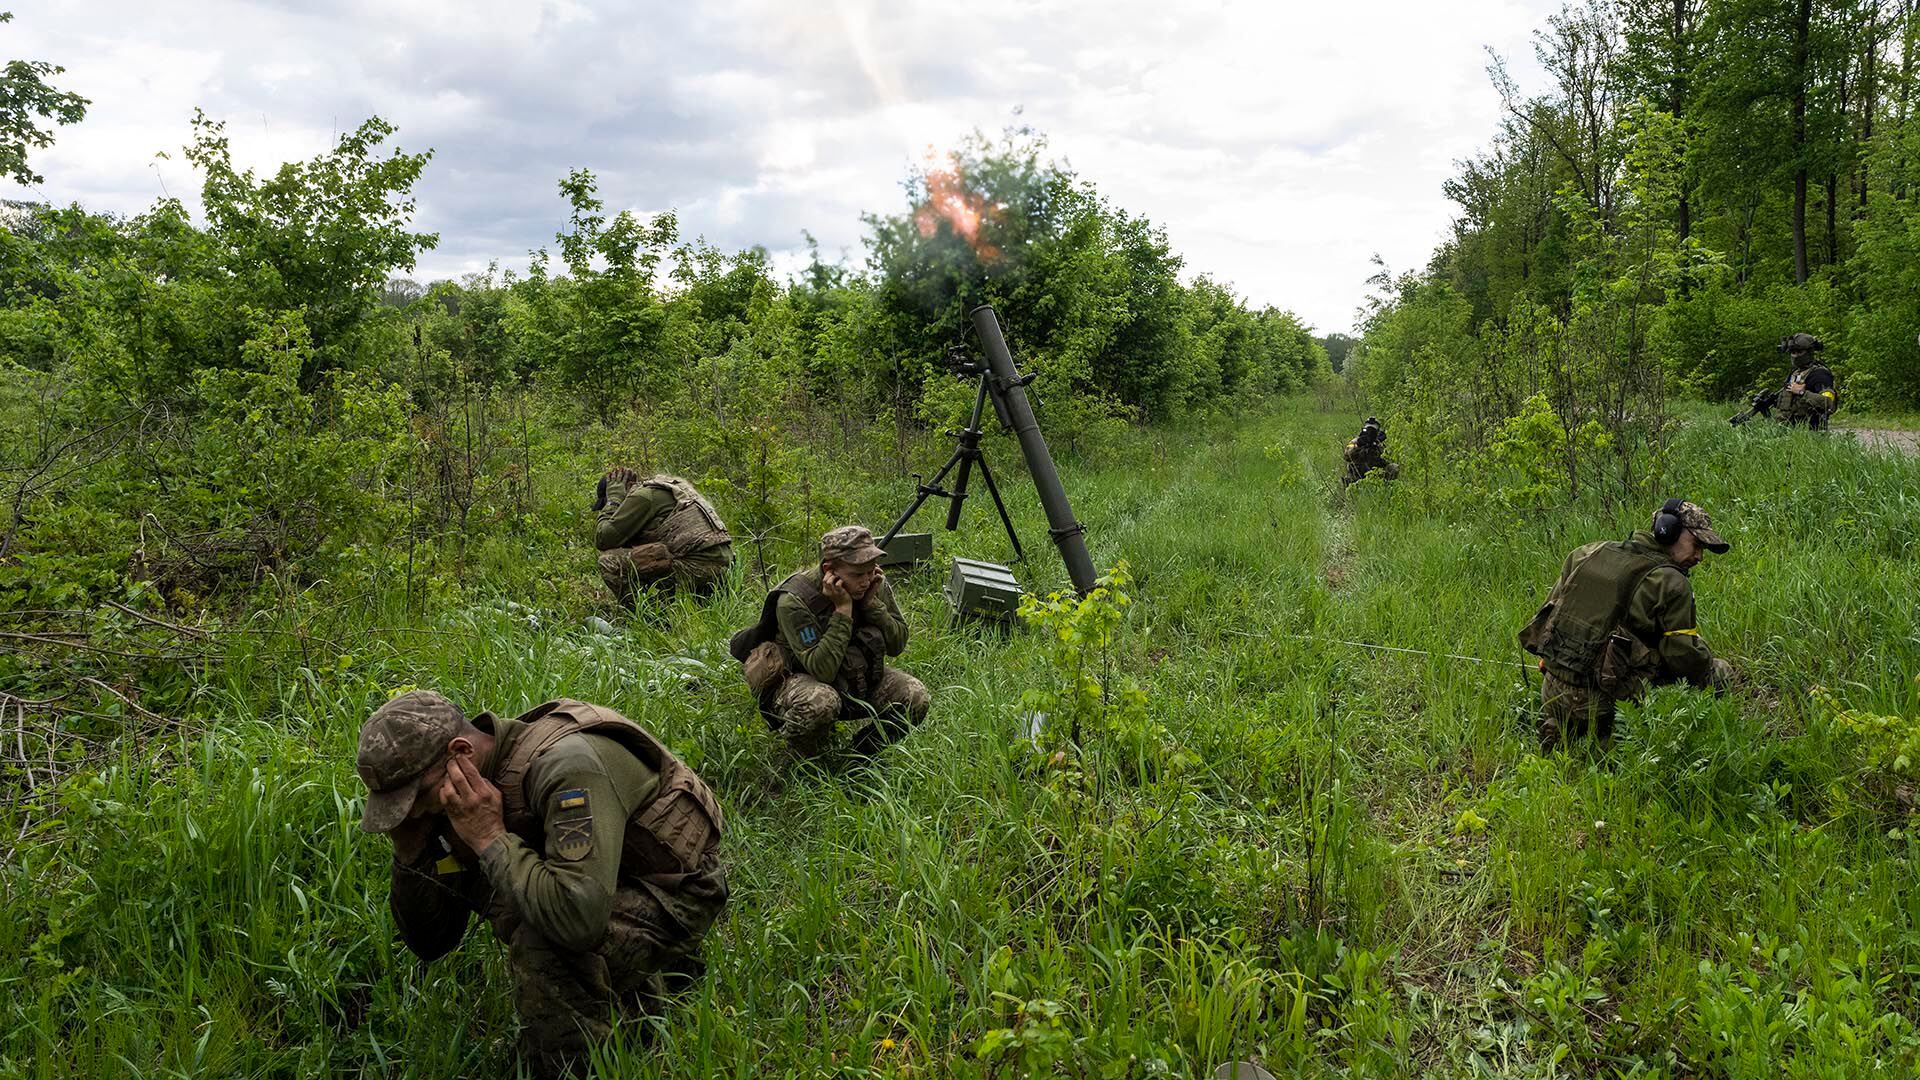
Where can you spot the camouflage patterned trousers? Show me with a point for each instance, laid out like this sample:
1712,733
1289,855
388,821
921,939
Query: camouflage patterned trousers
1571,712
806,709
568,1000
651,568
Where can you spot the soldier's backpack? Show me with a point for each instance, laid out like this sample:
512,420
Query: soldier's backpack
1576,633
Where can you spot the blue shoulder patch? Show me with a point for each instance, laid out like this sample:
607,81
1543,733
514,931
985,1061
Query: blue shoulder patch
809,635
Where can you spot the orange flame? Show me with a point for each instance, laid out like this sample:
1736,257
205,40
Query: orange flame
964,211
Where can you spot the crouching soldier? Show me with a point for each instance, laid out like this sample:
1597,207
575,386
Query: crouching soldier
592,850
818,654
1367,452
1620,618
658,535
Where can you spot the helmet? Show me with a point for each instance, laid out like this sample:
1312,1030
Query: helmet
1803,342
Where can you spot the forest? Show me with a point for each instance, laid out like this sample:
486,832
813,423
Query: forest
1695,182
1286,805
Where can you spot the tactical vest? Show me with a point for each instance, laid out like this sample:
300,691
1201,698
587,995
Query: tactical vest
866,655
1576,633
667,839
692,525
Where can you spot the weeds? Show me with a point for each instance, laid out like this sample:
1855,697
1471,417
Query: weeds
1259,843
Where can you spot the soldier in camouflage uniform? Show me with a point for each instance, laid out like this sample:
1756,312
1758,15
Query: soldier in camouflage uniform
817,655
1621,618
1808,394
1367,452
592,850
658,534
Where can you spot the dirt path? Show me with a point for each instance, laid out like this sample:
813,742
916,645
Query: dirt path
1886,438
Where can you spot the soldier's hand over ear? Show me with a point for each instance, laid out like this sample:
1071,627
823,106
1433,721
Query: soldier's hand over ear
473,804
871,598
620,474
835,590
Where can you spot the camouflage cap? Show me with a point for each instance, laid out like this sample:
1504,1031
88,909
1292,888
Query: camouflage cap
851,544
1696,522
399,742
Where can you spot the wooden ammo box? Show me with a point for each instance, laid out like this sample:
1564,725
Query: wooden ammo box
982,590
907,549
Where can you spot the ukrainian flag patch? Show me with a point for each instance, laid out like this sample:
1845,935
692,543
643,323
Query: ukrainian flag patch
575,799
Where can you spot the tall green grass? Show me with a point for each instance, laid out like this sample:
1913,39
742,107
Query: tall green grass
1337,861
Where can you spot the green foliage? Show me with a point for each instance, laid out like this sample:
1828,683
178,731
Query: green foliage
26,101
1886,746
1692,183
1333,861
1088,699
1526,462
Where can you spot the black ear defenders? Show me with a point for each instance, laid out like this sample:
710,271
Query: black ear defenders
600,496
1666,521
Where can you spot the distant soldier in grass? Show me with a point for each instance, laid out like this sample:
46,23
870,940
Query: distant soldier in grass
1808,394
589,846
1367,452
658,535
818,654
1621,618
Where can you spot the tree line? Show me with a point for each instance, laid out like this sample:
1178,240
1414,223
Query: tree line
258,386
1695,180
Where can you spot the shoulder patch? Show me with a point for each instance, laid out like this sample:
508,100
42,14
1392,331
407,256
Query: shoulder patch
809,635
572,828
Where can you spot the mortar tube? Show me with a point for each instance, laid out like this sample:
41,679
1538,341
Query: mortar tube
1068,534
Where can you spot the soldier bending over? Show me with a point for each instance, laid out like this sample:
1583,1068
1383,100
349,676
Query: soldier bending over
658,535
592,850
1620,618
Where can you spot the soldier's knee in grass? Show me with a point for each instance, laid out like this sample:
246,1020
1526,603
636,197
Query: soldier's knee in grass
915,698
650,561
806,710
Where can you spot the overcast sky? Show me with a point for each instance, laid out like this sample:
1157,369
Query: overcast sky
1280,144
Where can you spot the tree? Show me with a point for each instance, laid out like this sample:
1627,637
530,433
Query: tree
25,101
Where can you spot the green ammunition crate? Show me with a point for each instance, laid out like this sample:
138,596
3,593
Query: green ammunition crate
907,549
982,590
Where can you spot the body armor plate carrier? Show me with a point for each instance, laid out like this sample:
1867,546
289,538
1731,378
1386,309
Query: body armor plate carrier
668,838
1576,633
692,525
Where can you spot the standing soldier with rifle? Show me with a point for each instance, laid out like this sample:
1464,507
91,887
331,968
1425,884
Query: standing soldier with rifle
592,850
1808,394
658,535
818,653
1620,618
1367,452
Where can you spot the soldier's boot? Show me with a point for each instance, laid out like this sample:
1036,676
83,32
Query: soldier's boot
899,702
1551,737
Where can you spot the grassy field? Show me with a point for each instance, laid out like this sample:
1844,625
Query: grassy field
1335,860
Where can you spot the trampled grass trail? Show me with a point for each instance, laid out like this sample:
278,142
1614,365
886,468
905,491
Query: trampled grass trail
1326,858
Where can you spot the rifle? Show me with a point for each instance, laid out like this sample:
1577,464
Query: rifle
1762,403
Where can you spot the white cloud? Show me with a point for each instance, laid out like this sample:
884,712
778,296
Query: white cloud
1280,144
